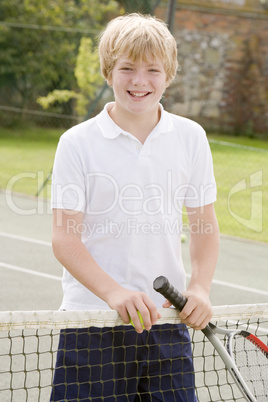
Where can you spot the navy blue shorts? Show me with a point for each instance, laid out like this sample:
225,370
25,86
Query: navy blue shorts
117,364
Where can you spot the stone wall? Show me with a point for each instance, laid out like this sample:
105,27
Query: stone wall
223,54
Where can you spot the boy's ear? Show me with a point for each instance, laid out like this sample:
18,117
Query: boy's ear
109,80
168,82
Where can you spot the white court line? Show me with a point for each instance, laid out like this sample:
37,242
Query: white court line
58,278
45,243
27,239
235,145
29,271
239,287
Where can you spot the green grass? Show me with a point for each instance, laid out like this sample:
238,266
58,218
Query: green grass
26,159
242,183
245,141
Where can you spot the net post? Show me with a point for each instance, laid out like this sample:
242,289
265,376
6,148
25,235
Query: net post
171,14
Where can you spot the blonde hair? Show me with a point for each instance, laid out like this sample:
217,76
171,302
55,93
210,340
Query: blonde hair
136,37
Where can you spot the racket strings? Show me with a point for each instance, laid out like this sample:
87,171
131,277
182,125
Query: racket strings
252,364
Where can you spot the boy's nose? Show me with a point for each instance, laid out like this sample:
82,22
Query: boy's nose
140,78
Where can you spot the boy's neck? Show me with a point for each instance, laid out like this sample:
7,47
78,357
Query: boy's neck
140,125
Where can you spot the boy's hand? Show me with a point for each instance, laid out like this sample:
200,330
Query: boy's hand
129,302
197,312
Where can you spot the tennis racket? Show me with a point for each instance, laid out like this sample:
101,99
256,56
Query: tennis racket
245,355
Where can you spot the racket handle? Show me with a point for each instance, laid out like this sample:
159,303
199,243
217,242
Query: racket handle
162,285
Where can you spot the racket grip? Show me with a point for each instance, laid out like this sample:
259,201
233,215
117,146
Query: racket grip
162,285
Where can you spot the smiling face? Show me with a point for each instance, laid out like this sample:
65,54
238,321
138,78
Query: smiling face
138,59
136,36
138,85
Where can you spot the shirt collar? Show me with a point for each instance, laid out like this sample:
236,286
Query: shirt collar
111,130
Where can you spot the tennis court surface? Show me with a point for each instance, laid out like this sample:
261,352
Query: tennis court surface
31,280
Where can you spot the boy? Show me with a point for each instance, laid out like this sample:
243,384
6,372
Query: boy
120,181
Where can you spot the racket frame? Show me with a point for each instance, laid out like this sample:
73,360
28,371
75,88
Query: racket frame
210,332
162,285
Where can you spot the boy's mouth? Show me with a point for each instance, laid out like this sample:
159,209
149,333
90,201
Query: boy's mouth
138,94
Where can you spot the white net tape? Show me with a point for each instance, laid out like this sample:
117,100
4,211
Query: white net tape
108,318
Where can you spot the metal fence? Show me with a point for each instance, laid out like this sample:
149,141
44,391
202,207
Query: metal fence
39,57
242,185
241,172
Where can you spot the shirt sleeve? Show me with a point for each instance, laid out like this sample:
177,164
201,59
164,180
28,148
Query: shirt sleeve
202,188
68,178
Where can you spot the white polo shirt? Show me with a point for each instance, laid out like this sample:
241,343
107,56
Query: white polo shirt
132,197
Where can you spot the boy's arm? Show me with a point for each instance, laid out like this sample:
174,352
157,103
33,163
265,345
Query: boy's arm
73,255
204,251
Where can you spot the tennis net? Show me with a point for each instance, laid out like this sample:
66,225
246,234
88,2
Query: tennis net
29,344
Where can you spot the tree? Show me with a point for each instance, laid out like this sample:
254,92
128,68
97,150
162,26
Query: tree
87,73
39,41
142,6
